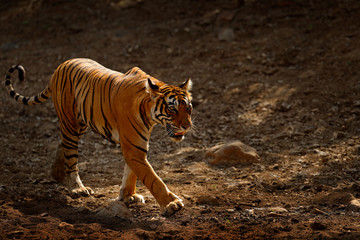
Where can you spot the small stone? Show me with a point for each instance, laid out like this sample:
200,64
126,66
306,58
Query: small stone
230,154
357,103
357,150
321,153
170,51
153,226
45,214
354,205
278,209
66,225
307,74
226,34
283,107
114,209
124,4
208,200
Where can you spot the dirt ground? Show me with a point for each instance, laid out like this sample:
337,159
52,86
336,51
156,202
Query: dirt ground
281,76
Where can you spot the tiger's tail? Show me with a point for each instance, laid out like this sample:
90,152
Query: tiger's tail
39,98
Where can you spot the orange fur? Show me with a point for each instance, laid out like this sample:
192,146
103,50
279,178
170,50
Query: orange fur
121,107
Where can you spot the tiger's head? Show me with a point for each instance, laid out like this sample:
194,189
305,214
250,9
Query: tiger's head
172,108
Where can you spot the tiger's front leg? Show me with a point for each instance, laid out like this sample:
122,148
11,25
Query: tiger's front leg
128,188
137,162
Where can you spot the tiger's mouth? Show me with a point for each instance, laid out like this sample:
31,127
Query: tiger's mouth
174,134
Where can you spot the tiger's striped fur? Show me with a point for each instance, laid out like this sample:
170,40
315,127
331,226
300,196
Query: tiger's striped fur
121,107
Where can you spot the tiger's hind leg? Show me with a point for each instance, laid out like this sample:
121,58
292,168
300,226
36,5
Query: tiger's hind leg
128,188
65,168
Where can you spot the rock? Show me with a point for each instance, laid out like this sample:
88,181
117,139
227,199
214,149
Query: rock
335,198
124,4
208,200
307,74
65,225
226,34
114,209
230,154
278,209
153,226
321,153
357,103
354,205
357,150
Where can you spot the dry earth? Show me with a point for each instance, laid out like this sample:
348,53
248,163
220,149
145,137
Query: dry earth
281,76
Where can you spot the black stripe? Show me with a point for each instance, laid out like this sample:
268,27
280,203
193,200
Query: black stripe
11,70
134,84
68,70
140,148
143,114
83,106
71,156
69,146
142,136
7,82
107,129
21,73
12,93
70,167
25,100
151,185
139,161
69,139
157,105
92,108
37,99
81,76
69,127
44,96
141,90
66,122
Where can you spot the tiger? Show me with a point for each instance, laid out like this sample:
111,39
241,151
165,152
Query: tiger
123,108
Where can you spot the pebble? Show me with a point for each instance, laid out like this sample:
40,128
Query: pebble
114,209
226,34
153,226
65,225
208,200
354,205
357,150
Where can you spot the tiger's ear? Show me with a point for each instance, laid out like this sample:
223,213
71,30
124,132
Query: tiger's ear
186,85
152,88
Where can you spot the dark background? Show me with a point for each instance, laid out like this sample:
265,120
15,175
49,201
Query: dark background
281,76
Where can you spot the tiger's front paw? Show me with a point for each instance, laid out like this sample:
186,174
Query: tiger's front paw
81,192
173,206
135,198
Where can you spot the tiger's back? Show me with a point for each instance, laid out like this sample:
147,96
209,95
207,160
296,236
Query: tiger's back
87,91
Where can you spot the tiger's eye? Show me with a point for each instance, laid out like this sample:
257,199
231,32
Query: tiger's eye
172,109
